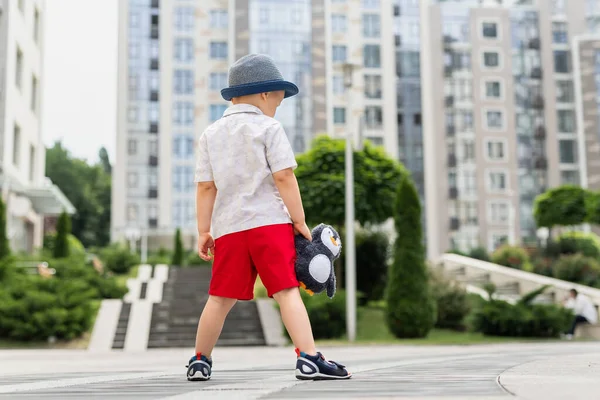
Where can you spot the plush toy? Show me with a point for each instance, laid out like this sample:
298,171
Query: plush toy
314,262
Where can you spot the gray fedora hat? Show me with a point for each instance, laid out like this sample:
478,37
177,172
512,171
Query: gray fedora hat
256,73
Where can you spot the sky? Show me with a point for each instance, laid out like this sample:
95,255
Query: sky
80,76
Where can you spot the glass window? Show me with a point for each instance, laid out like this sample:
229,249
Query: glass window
409,64
565,92
569,177
498,212
36,25
183,81
338,84
183,113
217,80
339,115
372,56
218,50
370,4
497,180
131,147
562,61
296,16
491,59
559,32
19,68
373,116
568,151
495,150
34,94
494,119
154,49
16,150
184,19
132,114
264,15
566,121
219,19
492,89
153,113
132,179
371,25
490,30
132,212
339,53
216,111
184,49
373,86
339,23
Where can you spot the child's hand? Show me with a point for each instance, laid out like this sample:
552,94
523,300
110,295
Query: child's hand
302,229
206,244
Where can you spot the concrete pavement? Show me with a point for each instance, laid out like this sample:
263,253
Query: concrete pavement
528,371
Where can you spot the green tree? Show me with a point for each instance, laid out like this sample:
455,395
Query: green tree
562,206
105,160
178,249
411,310
63,229
88,188
4,244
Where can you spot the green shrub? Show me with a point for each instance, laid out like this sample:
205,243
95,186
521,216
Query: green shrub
118,259
4,243
371,265
155,259
587,244
511,256
542,265
178,250
193,260
75,246
500,318
479,253
578,269
63,229
452,303
410,309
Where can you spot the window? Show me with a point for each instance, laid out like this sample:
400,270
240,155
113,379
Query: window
338,85
497,240
153,178
417,119
296,16
153,113
184,50
19,68
562,61
31,163
154,49
218,50
132,179
468,150
370,4
466,120
132,212
16,151
371,25
568,151
409,63
263,46
216,111
470,182
339,115
498,212
339,53
492,89
134,50
34,94
497,181
131,147
184,19
494,119
339,23
183,81
217,80
490,30
183,113
373,116
558,6
36,25
218,19
496,150
264,15
569,177
559,32
565,92
372,56
373,86
566,121
491,59
153,147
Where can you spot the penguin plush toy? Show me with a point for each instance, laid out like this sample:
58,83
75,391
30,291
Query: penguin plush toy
314,260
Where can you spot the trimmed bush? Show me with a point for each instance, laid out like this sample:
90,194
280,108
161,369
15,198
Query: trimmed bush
452,303
118,259
178,250
410,309
75,246
511,256
479,253
542,265
4,243
372,250
578,268
587,244
61,243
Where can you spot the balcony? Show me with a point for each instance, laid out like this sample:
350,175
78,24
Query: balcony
152,223
154,64
540,163
449,101
538,102
398,40
450,130
153,161
534,44
154,32
451,160
153,127
153,193
536,73
453,193
154,95
540,133
155,4
454,224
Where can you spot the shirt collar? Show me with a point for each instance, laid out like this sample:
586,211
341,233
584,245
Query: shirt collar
242,108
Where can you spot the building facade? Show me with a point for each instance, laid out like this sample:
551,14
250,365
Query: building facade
28,195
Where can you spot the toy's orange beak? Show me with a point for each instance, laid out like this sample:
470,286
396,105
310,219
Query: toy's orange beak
335,243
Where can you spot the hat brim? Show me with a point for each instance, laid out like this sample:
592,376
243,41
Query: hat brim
260,87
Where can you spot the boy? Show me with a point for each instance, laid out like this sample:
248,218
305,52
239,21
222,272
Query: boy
247,188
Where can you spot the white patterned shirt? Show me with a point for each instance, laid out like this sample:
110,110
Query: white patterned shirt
240,152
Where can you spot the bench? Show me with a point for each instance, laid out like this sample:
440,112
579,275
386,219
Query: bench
587,331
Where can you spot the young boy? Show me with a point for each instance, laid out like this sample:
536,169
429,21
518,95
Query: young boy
247,189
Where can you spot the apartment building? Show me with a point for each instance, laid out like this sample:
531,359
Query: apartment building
28,195
173,61
505,124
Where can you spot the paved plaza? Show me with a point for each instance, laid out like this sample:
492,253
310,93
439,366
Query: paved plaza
526,371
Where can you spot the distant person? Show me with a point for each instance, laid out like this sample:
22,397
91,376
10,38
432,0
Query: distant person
248,194
583,308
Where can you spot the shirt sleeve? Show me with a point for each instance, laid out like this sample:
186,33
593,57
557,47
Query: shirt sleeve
279,152
204,171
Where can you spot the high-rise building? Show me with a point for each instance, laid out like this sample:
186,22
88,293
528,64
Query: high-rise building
500,109
28,195
173,61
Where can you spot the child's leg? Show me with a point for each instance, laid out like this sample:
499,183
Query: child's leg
295,319
211,323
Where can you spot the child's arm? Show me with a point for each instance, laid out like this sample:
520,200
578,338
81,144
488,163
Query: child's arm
286,183
206,193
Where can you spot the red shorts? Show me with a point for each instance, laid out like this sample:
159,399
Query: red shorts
268,250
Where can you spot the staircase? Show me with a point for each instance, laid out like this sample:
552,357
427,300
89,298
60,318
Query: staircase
175,319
